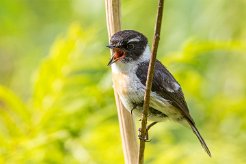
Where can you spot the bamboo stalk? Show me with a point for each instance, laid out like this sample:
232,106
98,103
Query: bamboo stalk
150,76
127,126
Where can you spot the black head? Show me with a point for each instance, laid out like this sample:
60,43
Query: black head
127,45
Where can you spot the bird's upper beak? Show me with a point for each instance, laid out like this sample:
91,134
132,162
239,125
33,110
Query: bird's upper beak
117,54
110,46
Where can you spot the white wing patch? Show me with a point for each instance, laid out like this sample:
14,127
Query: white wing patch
175,87
136,39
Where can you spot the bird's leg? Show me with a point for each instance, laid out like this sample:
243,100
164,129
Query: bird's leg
150,125
146,138
147,129
134,107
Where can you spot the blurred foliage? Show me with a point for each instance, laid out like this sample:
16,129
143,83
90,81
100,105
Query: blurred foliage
59,108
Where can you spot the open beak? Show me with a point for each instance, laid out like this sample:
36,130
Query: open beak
117,54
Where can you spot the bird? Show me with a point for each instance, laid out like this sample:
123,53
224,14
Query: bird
129,63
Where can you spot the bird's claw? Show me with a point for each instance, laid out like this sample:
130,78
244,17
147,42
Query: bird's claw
145,138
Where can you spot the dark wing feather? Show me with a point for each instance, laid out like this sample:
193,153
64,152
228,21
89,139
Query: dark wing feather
165,85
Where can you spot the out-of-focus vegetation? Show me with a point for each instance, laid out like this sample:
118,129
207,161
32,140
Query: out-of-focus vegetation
56,98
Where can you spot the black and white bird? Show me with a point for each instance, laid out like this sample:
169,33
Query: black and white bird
129,62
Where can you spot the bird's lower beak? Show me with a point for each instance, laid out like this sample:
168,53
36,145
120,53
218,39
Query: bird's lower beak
111,61
117,55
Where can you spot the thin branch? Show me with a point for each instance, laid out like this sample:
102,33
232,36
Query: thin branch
149,81
126,123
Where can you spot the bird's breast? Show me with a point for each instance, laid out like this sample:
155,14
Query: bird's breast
129,88
121,82
127,84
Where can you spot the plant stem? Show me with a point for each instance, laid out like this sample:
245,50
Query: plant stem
150,75
126,123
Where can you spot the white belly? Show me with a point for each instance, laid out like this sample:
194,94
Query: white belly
131,91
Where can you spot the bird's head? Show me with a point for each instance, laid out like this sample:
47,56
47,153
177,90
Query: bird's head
127,45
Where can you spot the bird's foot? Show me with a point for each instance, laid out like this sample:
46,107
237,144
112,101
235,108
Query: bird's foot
146,137
143,138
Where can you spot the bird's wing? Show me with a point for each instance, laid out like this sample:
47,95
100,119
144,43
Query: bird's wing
165,85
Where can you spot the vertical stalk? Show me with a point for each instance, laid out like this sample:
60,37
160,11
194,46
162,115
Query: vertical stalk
127,126
150,76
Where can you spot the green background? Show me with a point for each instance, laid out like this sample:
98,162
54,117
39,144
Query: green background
56,96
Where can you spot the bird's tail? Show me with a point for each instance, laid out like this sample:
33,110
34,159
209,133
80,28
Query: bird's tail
203,143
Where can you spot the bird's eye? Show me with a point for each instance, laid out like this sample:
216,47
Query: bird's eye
130,46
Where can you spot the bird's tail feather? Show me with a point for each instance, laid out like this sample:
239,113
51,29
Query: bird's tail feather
203,143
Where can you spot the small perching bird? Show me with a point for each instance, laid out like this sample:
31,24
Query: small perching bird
130,60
